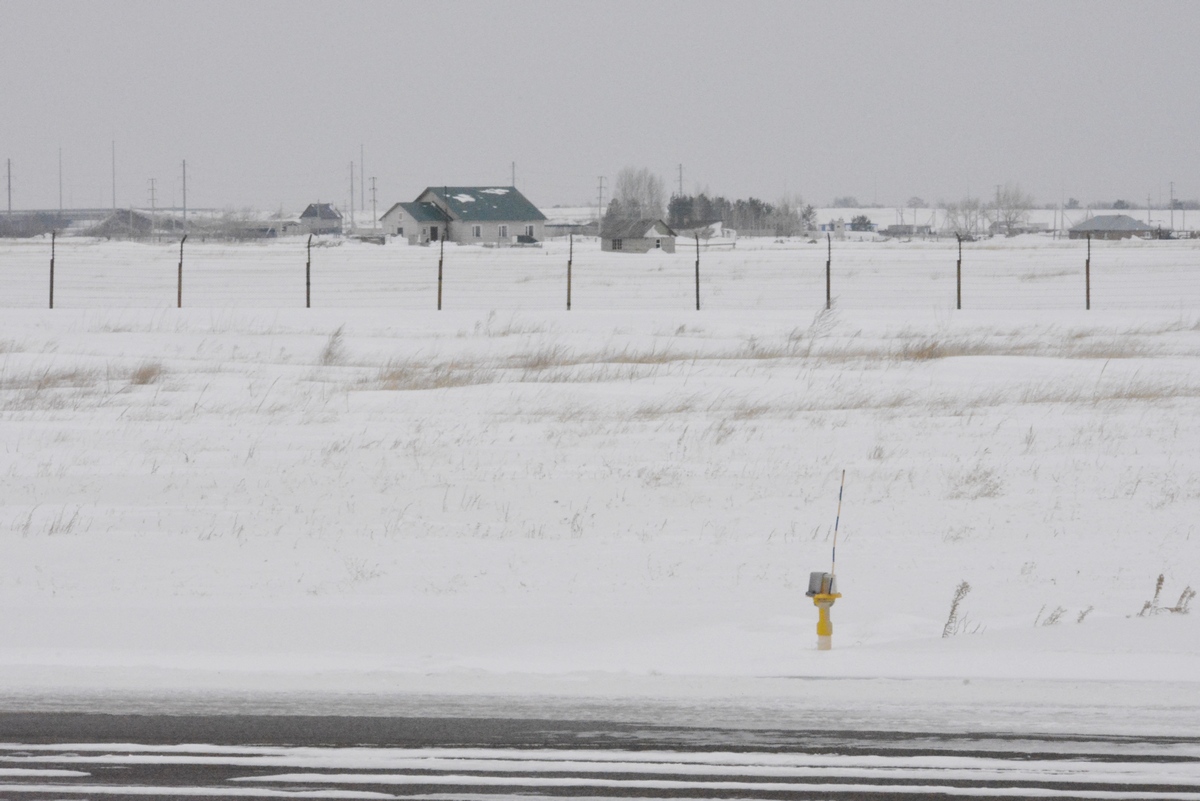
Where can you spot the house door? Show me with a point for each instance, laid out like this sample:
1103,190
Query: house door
433,233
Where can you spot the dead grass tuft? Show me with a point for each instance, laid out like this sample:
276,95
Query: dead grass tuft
146,373
334,350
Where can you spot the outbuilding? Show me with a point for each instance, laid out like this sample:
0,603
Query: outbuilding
321,218
637,236
1111,226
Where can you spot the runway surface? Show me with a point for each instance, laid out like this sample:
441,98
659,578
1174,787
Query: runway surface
74,756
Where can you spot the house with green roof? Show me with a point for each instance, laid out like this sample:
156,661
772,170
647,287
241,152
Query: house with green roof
467,215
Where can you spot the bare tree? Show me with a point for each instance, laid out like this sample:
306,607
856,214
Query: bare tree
963,216
1010,208
640,193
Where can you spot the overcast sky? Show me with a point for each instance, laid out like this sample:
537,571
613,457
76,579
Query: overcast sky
270,102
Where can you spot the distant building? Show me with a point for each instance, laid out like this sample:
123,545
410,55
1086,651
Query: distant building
637,236
907,229
1111,226
467,215
321,218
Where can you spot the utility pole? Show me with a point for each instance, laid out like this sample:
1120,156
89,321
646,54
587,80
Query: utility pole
152,208
997,222
1172,205
374,206
185,197
680,180
599,206
114,176
1148,210
60,205
514,175
362,181
351,195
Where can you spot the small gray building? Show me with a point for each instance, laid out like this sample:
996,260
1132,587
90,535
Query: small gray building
321,218
1111,226
467,215
637,236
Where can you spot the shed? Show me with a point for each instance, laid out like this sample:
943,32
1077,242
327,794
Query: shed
1111,226
637,236
321,218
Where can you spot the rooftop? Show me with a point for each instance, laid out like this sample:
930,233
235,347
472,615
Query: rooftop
485,203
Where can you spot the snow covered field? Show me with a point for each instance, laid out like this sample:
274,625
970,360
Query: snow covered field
505,498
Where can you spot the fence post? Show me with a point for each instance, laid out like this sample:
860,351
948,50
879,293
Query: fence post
697,271
441,254
53,234
308,276
1087,277
179,285
828,273
570,258
958,270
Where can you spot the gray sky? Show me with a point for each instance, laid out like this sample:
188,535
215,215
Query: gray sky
269,102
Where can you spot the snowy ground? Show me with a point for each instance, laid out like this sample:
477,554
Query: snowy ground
623,500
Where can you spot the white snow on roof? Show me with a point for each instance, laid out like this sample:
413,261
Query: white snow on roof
465,198
496,191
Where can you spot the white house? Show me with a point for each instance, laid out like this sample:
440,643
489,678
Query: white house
467,215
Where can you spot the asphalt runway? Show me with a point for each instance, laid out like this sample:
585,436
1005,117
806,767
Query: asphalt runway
60,755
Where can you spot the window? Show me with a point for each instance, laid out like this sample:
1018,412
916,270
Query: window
433,233
529,231
658,243
476,231
503,231
399,231
617,244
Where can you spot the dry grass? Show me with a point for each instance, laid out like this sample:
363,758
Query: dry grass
334,351
146,373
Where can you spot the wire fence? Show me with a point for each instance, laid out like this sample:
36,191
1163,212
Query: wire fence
783,275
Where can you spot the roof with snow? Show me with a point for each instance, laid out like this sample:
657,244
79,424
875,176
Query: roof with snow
1111,222
484,203
321,211
635,229
424,212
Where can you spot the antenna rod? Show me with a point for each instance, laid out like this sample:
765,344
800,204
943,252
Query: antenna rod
836,521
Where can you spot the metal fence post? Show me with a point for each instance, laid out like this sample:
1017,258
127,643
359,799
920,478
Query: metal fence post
958,271
308,276
1087,277
828,272
179,283
441,254
53,235
570,258
697,271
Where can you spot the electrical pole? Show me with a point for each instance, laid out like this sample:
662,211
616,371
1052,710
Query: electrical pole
362,181
185,197
1172,205
681,180
998,208
374,206
60,206
152,208
351,195
114,176
599,206
514,175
